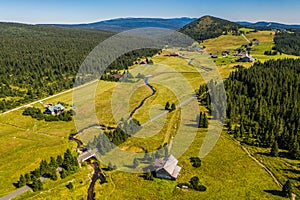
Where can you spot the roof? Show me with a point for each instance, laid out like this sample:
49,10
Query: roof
169,165
56,107
117,75
176,172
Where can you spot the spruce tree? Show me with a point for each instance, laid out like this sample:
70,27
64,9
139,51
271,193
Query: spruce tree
275,150
173,107
287,189
21,182
135,162
200,120
295,151
149,175
167,106
205,121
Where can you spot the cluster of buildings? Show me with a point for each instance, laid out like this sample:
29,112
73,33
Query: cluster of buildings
243,55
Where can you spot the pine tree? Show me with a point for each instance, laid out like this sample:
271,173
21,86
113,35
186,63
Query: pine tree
70,186
194,182
275,150
37,185
21,182
110,166
149,175
59,160
205,121
173,107
287,189
295,151
135,162
167,106
44,167
200,120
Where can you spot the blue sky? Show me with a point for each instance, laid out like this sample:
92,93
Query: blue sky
75,11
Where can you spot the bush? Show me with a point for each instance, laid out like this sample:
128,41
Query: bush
70,186
196,162
201,188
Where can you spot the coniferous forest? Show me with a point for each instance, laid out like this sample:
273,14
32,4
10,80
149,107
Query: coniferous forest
288,43
263,105
37,61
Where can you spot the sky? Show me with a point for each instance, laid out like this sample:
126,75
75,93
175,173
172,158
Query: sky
75,11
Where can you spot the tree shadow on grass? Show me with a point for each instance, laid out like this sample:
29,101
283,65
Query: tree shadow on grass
294,171
275,192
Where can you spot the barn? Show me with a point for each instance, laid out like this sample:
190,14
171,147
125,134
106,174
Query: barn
167,168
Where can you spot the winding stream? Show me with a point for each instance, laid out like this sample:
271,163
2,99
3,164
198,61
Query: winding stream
146,80
72,137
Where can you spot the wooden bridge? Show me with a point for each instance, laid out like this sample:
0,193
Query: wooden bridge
87,155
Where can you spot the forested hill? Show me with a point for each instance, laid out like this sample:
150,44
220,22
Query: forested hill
288,43
209,27
123,24
38,61
263,105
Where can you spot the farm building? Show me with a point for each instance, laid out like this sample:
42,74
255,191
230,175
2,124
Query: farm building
117,76
214,56
256,42
246,59
54,110
173,54
225,53
167,168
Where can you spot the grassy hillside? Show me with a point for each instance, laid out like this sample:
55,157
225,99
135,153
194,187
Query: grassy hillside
209,27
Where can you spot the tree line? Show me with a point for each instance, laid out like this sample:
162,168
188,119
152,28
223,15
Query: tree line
109,140
65,165
263,105
289,43
37,61
36,113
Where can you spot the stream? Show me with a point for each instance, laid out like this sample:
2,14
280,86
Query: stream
91,193
72,137
146,80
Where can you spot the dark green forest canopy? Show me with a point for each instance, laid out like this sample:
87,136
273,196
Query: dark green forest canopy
264,101
288,43
209,27
38,61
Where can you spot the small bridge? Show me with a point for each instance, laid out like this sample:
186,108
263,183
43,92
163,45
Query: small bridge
87,155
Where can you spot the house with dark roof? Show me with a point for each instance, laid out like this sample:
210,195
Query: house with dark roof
246,58
167,168
54,110
214,56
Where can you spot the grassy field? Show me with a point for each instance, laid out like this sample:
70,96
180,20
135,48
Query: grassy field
56,190
246,30
227,171
223,43
230,43
24,142
282,167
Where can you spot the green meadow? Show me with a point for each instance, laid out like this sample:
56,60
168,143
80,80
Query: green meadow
227,171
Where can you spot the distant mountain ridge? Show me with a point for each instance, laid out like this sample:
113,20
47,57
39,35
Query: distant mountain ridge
269,25
123,24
